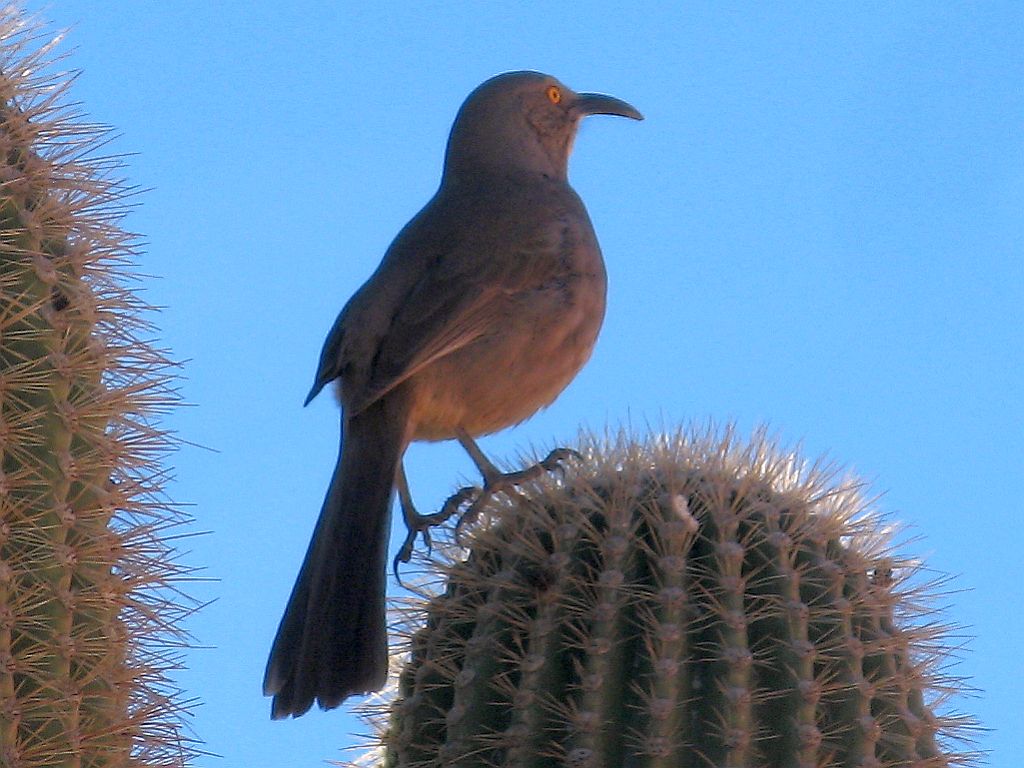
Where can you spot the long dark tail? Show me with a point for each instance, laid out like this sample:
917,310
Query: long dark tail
332,640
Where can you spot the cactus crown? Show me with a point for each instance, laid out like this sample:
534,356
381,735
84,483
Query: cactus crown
685,602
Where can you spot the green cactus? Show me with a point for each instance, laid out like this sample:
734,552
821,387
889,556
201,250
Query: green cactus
688,602
87,609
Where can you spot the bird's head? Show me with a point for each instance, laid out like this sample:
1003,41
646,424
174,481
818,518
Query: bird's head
522,122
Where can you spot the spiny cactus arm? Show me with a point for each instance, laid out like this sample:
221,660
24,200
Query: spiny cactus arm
83,621
57,545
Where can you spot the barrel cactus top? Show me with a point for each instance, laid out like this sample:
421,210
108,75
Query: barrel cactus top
687,601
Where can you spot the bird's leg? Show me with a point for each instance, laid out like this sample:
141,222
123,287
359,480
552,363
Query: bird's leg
496,481
416,523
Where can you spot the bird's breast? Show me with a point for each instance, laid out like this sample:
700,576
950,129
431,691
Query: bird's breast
535,346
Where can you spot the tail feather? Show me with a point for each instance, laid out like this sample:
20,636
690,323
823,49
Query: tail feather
332,640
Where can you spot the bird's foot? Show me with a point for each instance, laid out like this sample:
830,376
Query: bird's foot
420,525
496,482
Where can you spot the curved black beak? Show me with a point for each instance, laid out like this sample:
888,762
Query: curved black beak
600,104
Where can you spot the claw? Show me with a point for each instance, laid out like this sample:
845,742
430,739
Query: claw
558,457
420,525
470,515
456,500
403,556
404,553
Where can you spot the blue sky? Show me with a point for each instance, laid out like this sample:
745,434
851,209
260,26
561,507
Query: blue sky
819,226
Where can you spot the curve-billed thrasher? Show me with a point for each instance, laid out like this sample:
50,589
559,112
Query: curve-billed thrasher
483,309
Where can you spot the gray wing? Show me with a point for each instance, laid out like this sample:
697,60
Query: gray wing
330,359
461,295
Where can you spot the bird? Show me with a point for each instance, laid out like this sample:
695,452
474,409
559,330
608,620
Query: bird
483,309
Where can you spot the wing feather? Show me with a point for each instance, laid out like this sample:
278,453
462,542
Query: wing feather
463,295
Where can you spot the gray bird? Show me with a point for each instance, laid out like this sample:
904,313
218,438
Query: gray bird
484,308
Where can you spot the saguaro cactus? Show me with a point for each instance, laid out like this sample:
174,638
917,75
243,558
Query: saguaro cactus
87,615
685,602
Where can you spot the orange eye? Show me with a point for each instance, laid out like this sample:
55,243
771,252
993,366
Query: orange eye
554,94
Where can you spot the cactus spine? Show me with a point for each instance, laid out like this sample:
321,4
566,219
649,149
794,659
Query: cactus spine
87,614
688,602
